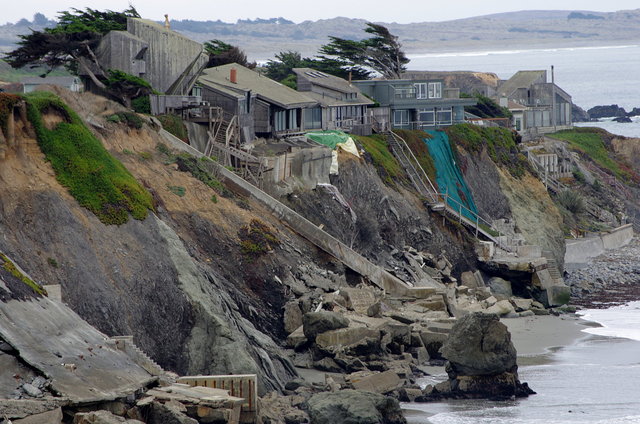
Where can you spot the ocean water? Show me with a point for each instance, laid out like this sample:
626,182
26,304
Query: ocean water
597,379
591,75
594,381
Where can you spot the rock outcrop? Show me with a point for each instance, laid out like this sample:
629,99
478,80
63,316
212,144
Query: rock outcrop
353,406
481,361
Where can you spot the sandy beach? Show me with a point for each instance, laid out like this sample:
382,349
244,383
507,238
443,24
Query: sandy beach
536,338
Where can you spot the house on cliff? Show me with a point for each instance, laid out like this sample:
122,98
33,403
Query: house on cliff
415,104
342,105
263,107
538,106
169,61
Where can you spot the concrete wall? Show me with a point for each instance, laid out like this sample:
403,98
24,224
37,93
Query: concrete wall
618,238
579,251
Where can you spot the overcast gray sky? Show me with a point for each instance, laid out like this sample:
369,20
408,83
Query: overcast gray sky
300,10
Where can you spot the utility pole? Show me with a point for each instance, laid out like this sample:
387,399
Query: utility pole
553,100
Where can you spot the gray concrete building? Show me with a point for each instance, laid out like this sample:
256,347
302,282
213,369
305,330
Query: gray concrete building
538,106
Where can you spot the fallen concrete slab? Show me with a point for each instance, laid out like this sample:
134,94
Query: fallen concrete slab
54,340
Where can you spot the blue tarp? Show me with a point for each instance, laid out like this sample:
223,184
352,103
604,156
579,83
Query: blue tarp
448,176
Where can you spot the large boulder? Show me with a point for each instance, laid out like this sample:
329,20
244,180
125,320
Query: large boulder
314,323
501,287
479,344
354,406
481,362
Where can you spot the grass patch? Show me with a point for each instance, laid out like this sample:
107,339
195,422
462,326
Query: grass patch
593,143
131,119
384,161
94,178
415,141
257,238
52,262
174,125
177,190
11,268
196,167
499,142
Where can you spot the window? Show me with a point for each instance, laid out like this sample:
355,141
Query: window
421,90
313,118
293,119
405,92
444,116
435,90
400,117
280,120
427,117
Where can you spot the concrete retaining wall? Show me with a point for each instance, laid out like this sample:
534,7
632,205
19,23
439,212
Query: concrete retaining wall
305,228
579,251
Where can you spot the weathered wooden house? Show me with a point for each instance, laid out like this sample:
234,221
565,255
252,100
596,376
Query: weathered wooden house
415,104
169,61
538,106
263,107
342,105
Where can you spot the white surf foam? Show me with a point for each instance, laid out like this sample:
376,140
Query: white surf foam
619,321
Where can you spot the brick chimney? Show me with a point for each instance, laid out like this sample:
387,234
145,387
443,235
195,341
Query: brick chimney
233,76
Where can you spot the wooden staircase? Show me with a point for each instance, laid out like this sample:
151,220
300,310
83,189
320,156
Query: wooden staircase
441,202
554,185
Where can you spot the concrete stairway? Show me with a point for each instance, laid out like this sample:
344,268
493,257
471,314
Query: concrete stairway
125,343
552,266
440,202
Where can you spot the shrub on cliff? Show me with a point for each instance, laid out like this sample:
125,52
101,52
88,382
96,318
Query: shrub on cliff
97,180
500,144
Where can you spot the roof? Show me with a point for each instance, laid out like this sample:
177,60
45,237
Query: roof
332,101
521,79
63,81
326,80
248,80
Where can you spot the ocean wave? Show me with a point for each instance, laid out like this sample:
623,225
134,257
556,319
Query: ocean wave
455,418
621,321
510,52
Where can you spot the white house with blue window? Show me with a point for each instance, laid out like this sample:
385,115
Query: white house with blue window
415,104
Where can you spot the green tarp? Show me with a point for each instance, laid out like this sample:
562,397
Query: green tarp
329,138
448,176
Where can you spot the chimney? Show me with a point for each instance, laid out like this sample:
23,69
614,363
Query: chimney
350,76
233,76
167,25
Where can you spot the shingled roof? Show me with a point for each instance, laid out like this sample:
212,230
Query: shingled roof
521,79
247,80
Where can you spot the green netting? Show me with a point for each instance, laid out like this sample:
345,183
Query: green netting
329,138
448,175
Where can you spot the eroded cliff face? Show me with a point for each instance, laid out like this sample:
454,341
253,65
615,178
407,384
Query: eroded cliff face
534,213
386,218
177,281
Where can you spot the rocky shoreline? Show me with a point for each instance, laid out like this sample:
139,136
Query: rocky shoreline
610,279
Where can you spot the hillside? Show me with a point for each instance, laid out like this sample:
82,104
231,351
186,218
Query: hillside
263,38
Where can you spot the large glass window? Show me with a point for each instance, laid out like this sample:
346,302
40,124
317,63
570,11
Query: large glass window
405,92
427,117
421,90
280,120
435,90
400,117
444,116
313,118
